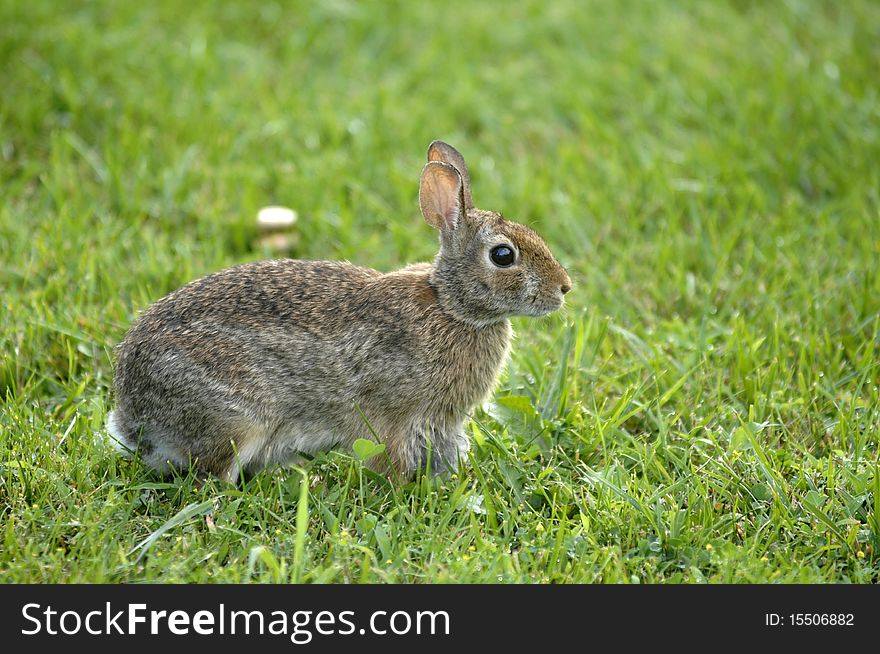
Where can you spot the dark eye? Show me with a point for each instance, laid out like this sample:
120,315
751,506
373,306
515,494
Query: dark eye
502,255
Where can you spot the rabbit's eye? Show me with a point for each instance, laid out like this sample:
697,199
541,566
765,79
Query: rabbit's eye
502,255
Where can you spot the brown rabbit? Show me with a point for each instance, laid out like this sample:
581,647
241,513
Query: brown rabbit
256,364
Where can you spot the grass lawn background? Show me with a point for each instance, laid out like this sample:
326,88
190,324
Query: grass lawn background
706,408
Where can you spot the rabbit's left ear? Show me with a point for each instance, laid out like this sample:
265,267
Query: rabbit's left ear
440,151
441,195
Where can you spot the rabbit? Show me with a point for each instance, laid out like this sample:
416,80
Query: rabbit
264,362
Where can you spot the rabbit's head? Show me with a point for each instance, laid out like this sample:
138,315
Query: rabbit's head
488,268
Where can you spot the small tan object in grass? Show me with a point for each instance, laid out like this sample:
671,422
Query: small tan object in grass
275,224
272,219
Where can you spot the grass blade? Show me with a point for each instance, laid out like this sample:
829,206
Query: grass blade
189,511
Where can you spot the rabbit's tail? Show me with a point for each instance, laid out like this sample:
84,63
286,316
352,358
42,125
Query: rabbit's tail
131,441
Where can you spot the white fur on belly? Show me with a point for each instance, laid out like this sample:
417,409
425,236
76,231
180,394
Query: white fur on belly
260,449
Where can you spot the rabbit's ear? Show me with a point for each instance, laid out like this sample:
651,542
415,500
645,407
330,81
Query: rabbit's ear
440,151
441,195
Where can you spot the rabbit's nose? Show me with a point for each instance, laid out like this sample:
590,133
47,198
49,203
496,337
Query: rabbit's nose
565,286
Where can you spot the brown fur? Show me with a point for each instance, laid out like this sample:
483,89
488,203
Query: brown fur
259,363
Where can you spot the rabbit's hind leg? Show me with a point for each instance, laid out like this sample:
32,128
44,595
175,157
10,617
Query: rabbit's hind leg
251,453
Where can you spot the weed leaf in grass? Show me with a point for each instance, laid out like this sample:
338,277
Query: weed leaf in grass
366,449
516,412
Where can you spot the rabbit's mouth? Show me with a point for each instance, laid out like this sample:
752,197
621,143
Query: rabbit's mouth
544,305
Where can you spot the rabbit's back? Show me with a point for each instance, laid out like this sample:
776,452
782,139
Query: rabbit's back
241,331
258,294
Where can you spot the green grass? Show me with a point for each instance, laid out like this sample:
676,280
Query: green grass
707,407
